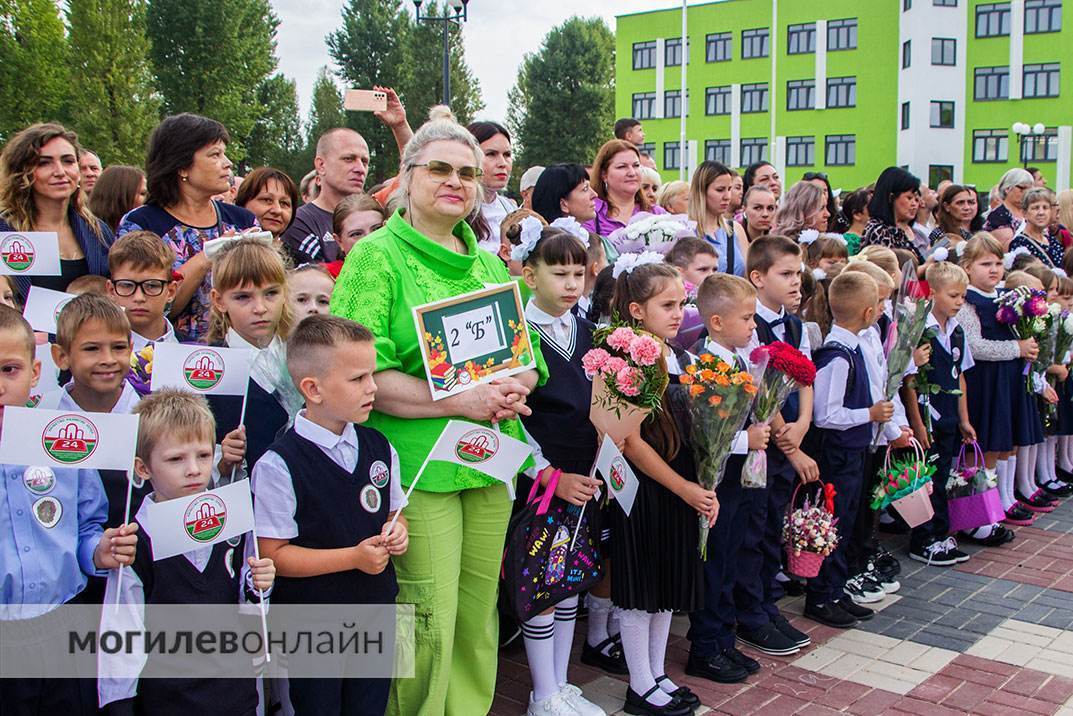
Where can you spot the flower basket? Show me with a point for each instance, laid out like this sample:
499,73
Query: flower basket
905,483
974,499
915,508
810,532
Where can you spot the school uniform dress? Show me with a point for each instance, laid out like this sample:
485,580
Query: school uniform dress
760,556
321,490
843,398
654,550
711,626
216,574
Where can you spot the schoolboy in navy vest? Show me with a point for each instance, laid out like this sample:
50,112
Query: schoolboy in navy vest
774,269
326,491
174,454
844,414
727,304
950,358
52,538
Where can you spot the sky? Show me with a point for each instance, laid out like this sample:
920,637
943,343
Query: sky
498,35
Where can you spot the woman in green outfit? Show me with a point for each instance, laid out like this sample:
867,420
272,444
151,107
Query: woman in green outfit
457,516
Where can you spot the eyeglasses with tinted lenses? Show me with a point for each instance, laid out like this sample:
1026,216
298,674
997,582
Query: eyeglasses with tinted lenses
442,171
150,287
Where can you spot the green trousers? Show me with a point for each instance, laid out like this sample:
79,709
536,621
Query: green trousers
450,573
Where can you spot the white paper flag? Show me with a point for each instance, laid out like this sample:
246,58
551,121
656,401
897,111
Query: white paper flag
202,369
617,474
189,523
43,306
29,253
481,448
65,438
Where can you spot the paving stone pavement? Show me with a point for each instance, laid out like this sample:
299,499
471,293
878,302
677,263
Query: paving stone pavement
993,636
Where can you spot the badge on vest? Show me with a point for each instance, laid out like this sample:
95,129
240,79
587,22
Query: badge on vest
39,480
378,473
370,498
229,557
48,511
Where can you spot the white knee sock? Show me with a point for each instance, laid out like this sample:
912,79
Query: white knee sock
599,609
1045,457
1065,452
539,634
565,618
1005,482
1026,468
613,627
636,630
658,635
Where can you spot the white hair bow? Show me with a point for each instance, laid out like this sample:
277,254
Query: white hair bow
807,236
570,225
1008,259
940,254
213,248
530,236
1060,272
818,274
626,263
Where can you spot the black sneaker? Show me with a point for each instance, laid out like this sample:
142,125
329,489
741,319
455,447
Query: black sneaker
958,556
748,663
861,592
888,583
798,637
830,614
934,554
887,564
716,668
612,660
769,640
855,610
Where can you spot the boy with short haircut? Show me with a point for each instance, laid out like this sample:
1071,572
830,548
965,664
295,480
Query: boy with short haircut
727,304
949,409
328,465
174,454
142,284
596,253
695,259
53,538
774,269
844,414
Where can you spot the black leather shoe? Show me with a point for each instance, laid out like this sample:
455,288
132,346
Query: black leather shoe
768,640
716,668
858,612
613,662
682,693
798,637
1057,489
999,536
748,663
1064,475
640,706
830,614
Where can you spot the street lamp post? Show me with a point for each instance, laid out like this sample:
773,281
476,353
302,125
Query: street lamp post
1023,130
457,16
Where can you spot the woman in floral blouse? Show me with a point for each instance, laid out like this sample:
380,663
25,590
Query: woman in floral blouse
892,210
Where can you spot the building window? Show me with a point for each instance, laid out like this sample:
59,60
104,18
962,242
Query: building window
940,173
944,3
841,92
644,55
754,43
672,52
991,83
672,104
907,51
753,150
754,98
943,51
801,39
1040,147
907,5
717,150
1043,16
801,94
841,150
717,100
905,115
942,114
990,146
800,151
647,150
993,20
717,47
842,34
1041,80
671,155
644,105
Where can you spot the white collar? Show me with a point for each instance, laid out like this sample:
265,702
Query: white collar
992,294
234,340
888,308
322,436
60,399
534,314
722,351
841,335
139,341
933,322
767,314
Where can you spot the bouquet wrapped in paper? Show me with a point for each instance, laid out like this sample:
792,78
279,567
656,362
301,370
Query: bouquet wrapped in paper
787,370
628,378
1048,353
911,308
1025,310
720,398
652,232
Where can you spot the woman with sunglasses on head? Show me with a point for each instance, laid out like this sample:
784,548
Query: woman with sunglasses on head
496,162
457,516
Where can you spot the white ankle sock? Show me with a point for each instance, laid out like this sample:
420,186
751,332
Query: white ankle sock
599,608
636,628
539,632
658,635
1026,468
565,618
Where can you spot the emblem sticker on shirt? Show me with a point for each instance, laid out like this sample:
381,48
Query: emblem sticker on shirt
370,498
955,353
48,511
39,480
233,542
229,558
378,473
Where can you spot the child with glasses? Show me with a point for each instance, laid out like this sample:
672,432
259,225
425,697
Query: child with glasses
143,286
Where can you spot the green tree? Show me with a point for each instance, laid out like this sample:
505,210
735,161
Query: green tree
211,57
562,106
424,77
112,105
34,77
276,138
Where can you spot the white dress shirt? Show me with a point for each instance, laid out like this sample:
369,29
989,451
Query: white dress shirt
740,446
943,336
561,329
269,363
779,330
872,349
829,408
60,399
139,341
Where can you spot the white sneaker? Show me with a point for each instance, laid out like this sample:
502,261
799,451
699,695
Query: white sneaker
572,695
553,705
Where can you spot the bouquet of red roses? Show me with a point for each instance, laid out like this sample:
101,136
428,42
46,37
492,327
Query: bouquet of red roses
787,369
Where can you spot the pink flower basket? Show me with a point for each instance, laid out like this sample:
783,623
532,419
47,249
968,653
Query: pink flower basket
804,564
915,508
968,513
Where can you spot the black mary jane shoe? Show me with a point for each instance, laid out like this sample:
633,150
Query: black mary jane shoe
639,705
612,662
682,693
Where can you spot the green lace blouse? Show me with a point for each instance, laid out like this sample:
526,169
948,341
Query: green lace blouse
385,275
